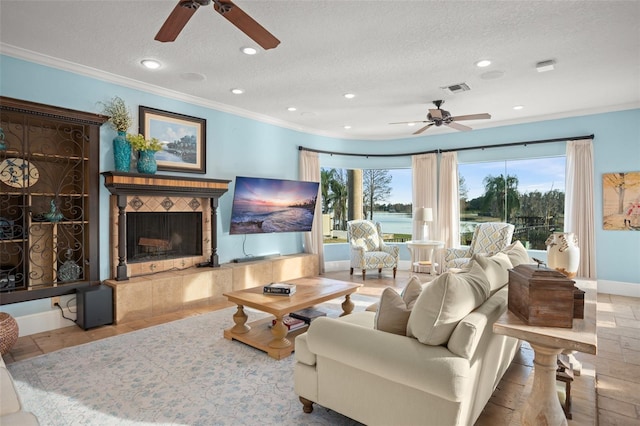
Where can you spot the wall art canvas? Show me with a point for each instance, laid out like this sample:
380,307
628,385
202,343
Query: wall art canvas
183,139
621,201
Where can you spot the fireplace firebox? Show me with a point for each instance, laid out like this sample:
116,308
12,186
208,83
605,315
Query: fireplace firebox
163,235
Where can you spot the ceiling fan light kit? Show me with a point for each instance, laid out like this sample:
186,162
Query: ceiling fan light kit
185,9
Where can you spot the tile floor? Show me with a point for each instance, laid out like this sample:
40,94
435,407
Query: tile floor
616,401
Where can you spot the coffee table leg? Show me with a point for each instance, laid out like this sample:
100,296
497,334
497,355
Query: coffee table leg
279,332
347,305
240,318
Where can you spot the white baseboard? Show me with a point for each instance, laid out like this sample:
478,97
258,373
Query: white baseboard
44,321
619,288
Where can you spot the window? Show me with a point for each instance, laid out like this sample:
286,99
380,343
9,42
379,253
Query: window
526,193
382,195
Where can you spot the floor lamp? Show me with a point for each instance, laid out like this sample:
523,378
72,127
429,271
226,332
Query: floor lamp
424,215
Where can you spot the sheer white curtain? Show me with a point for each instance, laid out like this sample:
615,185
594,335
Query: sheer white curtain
310,172
579,203
449,205
424,169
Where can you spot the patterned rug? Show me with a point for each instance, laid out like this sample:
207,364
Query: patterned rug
179,373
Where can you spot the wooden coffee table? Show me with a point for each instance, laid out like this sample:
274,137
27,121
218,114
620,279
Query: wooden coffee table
309,292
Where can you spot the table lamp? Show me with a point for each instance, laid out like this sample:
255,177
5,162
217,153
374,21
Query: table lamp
424,215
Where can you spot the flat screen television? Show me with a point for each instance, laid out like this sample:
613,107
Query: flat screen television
263,205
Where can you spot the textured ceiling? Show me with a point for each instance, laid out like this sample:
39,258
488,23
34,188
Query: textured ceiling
394,55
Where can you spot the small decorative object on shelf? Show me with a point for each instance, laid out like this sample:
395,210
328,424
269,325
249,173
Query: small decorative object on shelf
54,214
3,147
147,149
563,253
279,289
69,271
120,119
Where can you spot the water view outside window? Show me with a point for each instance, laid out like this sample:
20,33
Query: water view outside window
527,193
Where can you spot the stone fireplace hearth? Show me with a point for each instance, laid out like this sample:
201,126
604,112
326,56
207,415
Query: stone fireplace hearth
162,196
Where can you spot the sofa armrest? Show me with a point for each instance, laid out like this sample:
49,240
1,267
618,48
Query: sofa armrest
401,359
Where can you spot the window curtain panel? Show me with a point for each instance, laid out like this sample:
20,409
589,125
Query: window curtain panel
425,190
579,203
449,206
310,172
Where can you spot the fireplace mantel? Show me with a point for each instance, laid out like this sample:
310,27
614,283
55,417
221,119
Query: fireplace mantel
140,184
122,185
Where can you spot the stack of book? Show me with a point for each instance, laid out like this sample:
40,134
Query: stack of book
279,289
290,322
308,315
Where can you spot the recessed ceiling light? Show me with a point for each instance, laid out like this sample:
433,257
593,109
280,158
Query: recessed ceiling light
292,109
237,91
249,50
411,124
518,107
349,95
483,63
151,64
347,127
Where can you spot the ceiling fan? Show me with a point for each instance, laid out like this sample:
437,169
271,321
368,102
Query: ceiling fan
438,117
185,9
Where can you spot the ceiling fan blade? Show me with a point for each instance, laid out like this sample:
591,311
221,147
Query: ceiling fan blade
472,117
409,122
175,22
417,132
246,24
459,126
435,113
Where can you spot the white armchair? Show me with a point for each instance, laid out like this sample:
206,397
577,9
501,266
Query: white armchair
367,250
488,238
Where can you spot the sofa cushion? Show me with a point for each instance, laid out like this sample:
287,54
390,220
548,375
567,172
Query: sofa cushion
444,302
393,310
517,254
496,268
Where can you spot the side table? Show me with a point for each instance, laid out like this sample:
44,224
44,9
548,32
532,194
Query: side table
543,405
415,247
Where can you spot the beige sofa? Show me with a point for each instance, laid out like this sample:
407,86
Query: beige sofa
11,412
441,371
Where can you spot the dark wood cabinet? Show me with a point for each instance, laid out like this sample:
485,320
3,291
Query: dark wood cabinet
49,200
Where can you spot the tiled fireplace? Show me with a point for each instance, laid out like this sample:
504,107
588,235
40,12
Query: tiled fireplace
162,223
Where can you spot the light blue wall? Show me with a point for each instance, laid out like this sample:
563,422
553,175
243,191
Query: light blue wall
241,146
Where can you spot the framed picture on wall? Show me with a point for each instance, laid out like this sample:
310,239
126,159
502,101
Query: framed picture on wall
183,139
621,201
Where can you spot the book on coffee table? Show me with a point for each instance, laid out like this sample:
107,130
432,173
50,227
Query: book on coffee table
279,289
290,322
307,315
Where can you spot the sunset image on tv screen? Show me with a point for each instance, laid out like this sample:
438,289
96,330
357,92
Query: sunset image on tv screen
263,205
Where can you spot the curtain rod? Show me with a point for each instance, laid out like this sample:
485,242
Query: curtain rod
436,151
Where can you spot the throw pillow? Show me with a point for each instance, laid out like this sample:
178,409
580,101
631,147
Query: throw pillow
394,309
496,268
517,254
444,302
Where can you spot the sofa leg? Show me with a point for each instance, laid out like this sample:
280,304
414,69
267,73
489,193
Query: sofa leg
364,273
394,273
350,271
379,270
307,406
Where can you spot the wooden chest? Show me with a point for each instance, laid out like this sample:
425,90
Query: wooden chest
541,297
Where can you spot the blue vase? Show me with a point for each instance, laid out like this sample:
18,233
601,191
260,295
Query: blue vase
122,152
147,162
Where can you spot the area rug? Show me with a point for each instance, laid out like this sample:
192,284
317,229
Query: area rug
180,373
